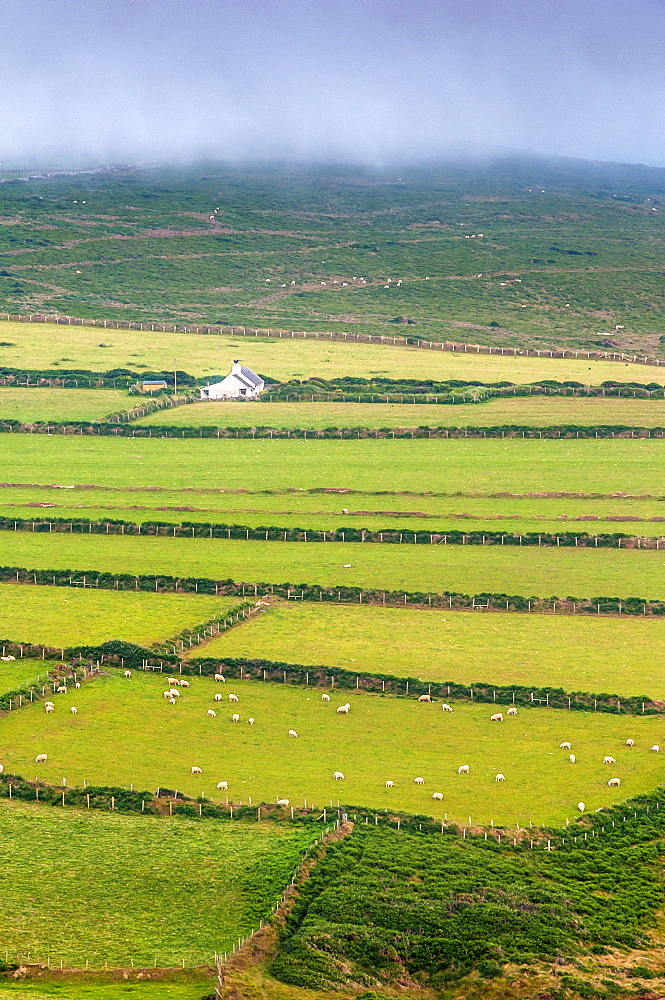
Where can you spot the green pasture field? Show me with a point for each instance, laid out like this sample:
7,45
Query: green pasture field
437,465
515,253
544,572
523,411
325,511
46,345
17,674
43,403
616,655
78,987
126,732
98,887
67,616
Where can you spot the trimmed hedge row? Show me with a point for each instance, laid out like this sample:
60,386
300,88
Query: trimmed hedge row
128,429
337,595
263,533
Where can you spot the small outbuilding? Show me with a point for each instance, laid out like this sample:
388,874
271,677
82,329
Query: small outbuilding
154,385
240,383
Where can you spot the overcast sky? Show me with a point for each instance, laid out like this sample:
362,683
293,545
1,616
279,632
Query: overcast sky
374,81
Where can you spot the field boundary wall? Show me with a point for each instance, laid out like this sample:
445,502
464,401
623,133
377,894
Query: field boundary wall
387,536
365,338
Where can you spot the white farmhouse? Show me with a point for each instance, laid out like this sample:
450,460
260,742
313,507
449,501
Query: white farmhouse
241,383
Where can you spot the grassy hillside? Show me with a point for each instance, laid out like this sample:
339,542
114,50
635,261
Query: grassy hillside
467,569
16,675
126,732
516,252
615,655
109,892
65,616
539,411
43,403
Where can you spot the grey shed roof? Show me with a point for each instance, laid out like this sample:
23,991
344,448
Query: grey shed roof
250,375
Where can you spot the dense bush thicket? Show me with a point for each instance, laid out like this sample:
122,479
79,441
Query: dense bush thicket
387,906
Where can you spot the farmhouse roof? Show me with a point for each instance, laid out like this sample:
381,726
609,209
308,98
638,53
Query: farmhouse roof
251,376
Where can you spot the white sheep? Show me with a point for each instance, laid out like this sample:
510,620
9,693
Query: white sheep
127,674
217,697
293,733
250,721
196,770
2,767
50,708
565,745
62,689
609,760
49,703
438,796
235,717
656,748
220,677
572,758
174,693
424,697
497,717
338,776
419,781
73,710
463,769
167,694
184,684
222,785
344,709
614,782
212,713
630,743
234,697
77,685
41,758
325,697
390,784
282,802
447,708
581,806
500,777
172,681
512,710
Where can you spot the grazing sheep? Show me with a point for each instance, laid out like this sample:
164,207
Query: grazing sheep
73,710
512,710
424,697
497,717
184,684
2,767
325,697
282,802
500,777
419,781
565,745
390,784
344,709
572,758
212,714
172,701
172,681
77,685
234,697
438,796
50,708
220,677
235,717
62,689
614,782
196,770
581,806
293,733
217,697
174,693
338,776
222,785
609,760
447,708
630,743
250,721
7,659
49,704
463,769
655,748
167,694
41,758
128,674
